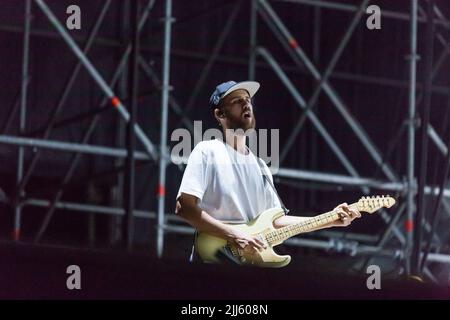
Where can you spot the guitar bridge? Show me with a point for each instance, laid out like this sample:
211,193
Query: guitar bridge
235,252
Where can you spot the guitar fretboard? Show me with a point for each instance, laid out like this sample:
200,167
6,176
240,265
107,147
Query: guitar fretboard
310,224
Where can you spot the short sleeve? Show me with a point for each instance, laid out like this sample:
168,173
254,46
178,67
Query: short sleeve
194,180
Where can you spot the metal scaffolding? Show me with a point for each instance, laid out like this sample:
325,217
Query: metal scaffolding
111,99
396,240
300,58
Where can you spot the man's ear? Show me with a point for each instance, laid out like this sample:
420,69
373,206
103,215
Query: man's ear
218,113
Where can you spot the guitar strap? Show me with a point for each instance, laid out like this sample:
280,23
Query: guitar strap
261,166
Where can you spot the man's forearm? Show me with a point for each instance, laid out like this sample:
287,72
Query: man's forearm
287,220
204,222
207,223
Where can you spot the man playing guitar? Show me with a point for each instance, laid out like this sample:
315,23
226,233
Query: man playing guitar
223,181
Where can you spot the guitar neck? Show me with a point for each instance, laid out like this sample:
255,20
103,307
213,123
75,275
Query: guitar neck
310,224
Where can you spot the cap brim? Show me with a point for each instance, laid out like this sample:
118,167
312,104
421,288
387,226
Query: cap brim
251,87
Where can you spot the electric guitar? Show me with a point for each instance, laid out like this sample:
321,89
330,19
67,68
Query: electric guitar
211,248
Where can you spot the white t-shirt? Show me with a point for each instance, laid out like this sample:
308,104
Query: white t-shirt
229,184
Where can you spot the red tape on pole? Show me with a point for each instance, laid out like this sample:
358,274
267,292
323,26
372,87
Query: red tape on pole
161,190
409,225
16,234
115,102
293,43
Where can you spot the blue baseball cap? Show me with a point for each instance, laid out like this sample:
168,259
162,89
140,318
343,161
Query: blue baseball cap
225,88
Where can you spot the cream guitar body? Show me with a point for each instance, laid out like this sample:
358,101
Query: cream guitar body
208,246
212,249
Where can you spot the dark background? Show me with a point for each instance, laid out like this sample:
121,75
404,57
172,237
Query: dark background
380,105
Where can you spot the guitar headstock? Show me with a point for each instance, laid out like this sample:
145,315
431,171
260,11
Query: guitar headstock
374,203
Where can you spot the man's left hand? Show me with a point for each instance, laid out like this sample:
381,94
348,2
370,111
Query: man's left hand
346,215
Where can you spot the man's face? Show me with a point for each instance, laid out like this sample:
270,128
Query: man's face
238,111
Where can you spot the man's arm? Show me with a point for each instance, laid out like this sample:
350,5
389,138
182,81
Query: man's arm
188,209
345,212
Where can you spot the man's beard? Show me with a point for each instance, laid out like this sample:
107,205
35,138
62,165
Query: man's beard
242,123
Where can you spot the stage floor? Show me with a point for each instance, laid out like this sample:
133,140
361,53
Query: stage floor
40,272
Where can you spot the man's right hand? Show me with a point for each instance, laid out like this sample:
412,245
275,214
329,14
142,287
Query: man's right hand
246,242
187,208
